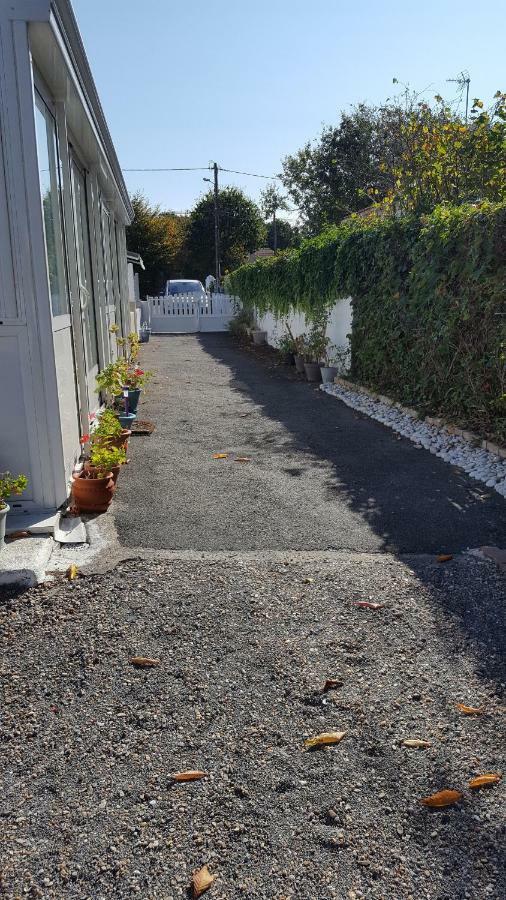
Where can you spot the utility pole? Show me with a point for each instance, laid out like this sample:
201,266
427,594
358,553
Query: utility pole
216,229
275,230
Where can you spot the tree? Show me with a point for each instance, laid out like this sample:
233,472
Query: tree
341,172
445,159
271,199
287,235
159,238
241,231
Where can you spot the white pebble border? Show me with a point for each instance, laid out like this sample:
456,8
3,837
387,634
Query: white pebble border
479,463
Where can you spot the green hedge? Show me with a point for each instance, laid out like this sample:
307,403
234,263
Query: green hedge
429,304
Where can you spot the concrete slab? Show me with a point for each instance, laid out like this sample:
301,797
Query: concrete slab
70,530
24,562
42,522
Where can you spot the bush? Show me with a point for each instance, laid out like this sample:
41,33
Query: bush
428,305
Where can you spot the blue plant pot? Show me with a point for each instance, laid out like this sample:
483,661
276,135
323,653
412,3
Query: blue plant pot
126,421
133,400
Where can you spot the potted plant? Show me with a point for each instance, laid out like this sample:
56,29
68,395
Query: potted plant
329,369
109,431
299,350
134,380
286,347
259,336
316,347
102,454
9,484
93,488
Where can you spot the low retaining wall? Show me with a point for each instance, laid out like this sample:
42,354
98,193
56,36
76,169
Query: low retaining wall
338,329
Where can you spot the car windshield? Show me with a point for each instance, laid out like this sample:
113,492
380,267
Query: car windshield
185,287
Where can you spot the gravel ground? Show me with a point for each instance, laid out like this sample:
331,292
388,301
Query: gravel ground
88,808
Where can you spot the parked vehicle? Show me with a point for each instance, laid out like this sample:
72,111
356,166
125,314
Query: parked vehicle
186,286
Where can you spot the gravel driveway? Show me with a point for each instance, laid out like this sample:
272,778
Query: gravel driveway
245,644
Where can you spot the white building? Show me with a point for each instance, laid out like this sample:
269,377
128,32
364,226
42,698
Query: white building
63,268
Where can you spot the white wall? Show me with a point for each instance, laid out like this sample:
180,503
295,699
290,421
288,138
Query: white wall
339,325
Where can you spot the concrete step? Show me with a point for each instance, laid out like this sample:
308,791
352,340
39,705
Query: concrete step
65,530
24,562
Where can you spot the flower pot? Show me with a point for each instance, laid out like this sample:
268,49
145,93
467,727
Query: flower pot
312,370
120,440
328,374
299,363
133,400
93,495
288,359
126,420
259,337
3,515
144,335
115,473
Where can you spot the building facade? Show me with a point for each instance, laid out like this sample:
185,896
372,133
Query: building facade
63,265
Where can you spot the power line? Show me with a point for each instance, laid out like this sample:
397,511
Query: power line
204,169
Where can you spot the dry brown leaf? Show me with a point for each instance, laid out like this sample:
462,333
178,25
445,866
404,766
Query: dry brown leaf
202,880
308,581
416,742
442,798
366,604
331,683
243,459
144,662
470,710
220,455
190,775
72,572
445,557
16,536
328,737
484,780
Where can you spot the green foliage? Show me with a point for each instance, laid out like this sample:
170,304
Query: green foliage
428,304
11,484
242,323
241,231
104,458
282,235
160,240
108,426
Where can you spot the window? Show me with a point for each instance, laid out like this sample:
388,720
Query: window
50,191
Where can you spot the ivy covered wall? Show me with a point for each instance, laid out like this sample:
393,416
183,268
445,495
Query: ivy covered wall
429,305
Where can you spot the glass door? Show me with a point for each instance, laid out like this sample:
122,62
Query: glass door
84,273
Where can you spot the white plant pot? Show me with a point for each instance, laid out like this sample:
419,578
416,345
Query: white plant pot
3,516
328,374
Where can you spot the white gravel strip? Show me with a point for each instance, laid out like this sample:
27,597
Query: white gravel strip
478,463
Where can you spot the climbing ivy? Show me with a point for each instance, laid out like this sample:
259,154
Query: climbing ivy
429,305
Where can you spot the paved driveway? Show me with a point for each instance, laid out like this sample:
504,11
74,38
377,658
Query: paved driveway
320,477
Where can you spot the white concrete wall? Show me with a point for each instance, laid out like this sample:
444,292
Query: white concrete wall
338,329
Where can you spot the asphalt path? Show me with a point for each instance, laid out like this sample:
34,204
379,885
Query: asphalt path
319,477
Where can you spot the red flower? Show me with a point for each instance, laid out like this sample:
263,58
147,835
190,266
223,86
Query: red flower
139,372
85,438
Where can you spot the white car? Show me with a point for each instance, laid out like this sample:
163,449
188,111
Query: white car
185,286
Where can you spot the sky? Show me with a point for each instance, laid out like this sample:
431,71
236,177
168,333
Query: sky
188,82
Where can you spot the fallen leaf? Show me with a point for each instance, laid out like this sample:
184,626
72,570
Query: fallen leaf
16,536
72,572
484,780
328,737
416,742
445,557
144,662
202,880
331,683
190,775
220,455
308,581
365,604
470,710
243,459
442,798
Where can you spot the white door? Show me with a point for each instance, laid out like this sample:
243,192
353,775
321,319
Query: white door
86,296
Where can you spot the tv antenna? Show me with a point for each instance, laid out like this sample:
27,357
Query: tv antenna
463,80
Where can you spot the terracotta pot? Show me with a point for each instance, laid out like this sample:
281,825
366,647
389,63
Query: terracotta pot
120,440
93,495
312,370
115,473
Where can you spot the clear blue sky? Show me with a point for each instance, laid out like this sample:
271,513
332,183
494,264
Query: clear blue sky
183,82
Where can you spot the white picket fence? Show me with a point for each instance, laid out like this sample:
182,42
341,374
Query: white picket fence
182,314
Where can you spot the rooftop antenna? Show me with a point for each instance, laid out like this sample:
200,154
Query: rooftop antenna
463,80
